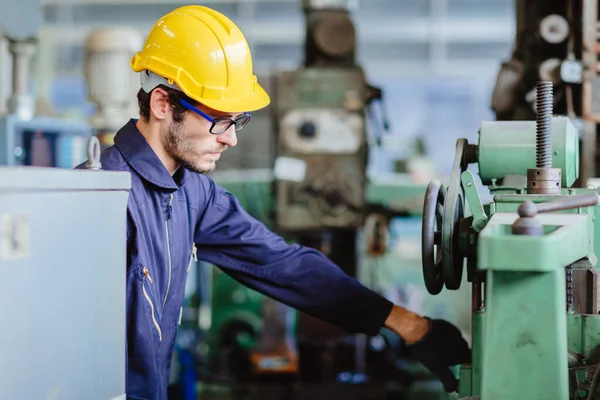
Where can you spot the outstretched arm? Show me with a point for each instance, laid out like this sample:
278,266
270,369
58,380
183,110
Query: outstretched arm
303,278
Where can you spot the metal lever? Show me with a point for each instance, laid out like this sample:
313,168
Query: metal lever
526,224
479,216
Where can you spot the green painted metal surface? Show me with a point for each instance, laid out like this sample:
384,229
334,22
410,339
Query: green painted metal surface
477,209
584,335
566,239
583,340
525,317
525,348
524,322
508,148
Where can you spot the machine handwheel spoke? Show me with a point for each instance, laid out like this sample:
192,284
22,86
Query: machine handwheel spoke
431,237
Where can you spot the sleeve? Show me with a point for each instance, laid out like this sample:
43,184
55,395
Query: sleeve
301,277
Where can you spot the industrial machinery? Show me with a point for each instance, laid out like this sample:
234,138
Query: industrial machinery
319,170
62,287
25,137
556,41
111,83
530,256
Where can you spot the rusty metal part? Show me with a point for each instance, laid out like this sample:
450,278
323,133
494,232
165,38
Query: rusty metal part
504,97
569,282
584,287
477,297
543,180
376,227
335,34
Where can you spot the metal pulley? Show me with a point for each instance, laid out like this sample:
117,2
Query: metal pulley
443,209
431,235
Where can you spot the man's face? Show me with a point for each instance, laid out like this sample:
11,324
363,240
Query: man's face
191,144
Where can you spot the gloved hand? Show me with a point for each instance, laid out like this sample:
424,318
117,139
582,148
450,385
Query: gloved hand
441,347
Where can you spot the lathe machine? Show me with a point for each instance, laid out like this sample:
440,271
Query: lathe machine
530,256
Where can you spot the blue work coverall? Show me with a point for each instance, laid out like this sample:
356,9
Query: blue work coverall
172,217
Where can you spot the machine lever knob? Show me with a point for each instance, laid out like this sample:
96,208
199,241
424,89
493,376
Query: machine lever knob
527,224
529,209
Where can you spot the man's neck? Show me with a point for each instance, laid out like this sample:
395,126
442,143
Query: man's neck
155,139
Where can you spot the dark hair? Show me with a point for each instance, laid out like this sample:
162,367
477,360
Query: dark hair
174,97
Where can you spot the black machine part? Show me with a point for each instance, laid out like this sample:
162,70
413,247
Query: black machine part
435,197
442,258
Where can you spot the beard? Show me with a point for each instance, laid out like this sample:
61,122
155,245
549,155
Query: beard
180,146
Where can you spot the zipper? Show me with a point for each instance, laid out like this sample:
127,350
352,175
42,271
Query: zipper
194,257
153,311
168,218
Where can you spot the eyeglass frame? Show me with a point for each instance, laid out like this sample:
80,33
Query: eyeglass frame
215,121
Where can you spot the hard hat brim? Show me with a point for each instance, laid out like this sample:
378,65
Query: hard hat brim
257,100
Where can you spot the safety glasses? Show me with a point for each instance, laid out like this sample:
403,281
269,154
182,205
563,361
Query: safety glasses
220,125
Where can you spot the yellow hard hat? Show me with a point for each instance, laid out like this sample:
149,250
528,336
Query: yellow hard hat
204,54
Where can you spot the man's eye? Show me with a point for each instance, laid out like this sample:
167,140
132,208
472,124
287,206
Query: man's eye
222,125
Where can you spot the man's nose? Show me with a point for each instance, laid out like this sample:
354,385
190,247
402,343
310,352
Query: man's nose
228,137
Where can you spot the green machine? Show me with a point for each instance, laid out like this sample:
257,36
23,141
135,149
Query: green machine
530,257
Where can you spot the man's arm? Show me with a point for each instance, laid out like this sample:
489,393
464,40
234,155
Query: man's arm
298,276
303,278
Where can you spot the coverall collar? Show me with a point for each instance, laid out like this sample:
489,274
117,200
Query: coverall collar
140,156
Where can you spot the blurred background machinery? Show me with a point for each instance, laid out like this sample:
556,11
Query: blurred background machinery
31,131
111,84
27,138
555,42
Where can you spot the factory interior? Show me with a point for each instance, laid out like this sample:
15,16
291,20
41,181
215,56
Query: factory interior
375,150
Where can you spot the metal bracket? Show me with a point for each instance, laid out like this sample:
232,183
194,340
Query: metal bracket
480,218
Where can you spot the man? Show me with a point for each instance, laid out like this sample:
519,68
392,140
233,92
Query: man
197,90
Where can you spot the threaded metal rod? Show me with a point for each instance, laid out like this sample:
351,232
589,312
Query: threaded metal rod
543,108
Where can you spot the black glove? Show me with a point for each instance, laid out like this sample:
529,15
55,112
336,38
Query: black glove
441,347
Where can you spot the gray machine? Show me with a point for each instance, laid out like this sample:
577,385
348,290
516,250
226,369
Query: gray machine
62,282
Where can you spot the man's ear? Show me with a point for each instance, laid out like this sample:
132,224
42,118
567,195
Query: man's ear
159,104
